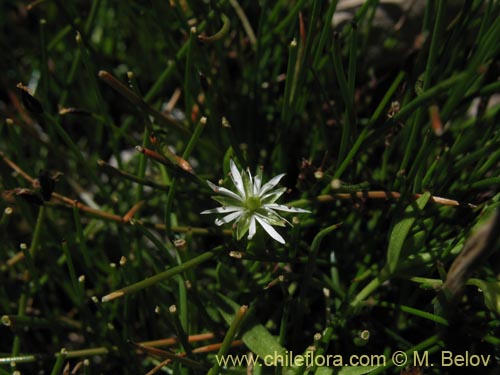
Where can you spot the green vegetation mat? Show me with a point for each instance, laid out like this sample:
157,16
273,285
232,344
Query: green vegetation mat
354,166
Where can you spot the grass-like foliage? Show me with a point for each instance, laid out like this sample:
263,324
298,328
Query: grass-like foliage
116,113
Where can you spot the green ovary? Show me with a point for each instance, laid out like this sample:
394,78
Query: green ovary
253,203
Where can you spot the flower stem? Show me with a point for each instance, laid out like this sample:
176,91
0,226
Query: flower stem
163,275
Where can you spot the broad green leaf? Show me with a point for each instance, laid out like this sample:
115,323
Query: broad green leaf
401,230
491,292
415,243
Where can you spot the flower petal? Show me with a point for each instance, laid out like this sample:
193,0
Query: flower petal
228,218
273,196
272,218
236,177
222,190
252,228
280,207
270,230
221,210
257,182
270,184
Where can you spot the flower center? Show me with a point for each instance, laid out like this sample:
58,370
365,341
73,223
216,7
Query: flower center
253,203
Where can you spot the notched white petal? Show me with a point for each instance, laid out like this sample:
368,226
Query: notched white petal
222,190
221,210
228,218
273,195
257,182
270,184
236,177
273,218
270,230
280,207
213,186
250,177
253,228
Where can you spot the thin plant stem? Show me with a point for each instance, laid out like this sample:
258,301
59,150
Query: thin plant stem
21,312
179,329
59,362
229,337
245,22
163,275
36,234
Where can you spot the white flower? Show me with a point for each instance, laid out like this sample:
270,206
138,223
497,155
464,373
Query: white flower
252,203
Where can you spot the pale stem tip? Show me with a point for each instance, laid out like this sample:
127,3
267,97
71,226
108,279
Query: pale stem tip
112,296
